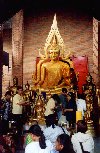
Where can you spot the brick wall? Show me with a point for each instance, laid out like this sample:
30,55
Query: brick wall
17,46
75,29
7,47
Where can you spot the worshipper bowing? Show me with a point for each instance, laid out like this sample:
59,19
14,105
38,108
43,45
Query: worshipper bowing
82,138
70,110
38,143
52,130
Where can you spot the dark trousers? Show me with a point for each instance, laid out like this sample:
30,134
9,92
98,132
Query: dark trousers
18,118
5,127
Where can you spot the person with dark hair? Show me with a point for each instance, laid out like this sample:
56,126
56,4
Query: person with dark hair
52,105
6,111
63,97
18,103
38,144
70,110
58,107
82,139
63,144
52,130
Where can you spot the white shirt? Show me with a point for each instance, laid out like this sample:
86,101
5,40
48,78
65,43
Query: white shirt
34,147
87,142
17,109
81,105
52,133
50,105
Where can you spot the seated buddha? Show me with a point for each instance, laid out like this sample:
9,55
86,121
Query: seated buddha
55,72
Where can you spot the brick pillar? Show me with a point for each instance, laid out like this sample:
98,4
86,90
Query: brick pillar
17,47
96,50
99,54
1,57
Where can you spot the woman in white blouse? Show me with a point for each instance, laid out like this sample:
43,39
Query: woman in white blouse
39,144
82,138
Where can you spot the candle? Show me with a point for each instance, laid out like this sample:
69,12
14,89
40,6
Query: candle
78,115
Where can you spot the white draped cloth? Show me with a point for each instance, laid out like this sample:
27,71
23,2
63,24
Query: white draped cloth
87,142
52,133
49,107
81,105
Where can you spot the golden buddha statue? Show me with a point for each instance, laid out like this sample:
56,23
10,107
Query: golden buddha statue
39,109
53,69
27,92
89,92
13,88
89,88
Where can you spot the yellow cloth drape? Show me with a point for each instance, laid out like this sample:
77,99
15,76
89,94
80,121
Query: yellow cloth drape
78,115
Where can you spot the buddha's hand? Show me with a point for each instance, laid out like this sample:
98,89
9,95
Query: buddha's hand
35,82
40,82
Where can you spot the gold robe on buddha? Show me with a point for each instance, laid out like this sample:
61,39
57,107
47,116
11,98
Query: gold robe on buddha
56,74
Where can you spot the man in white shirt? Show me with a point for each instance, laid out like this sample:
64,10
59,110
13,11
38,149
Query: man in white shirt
81,104
18,103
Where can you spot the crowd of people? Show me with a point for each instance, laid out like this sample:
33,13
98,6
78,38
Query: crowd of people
53,137
64,107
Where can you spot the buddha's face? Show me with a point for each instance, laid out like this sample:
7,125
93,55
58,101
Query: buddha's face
54,54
